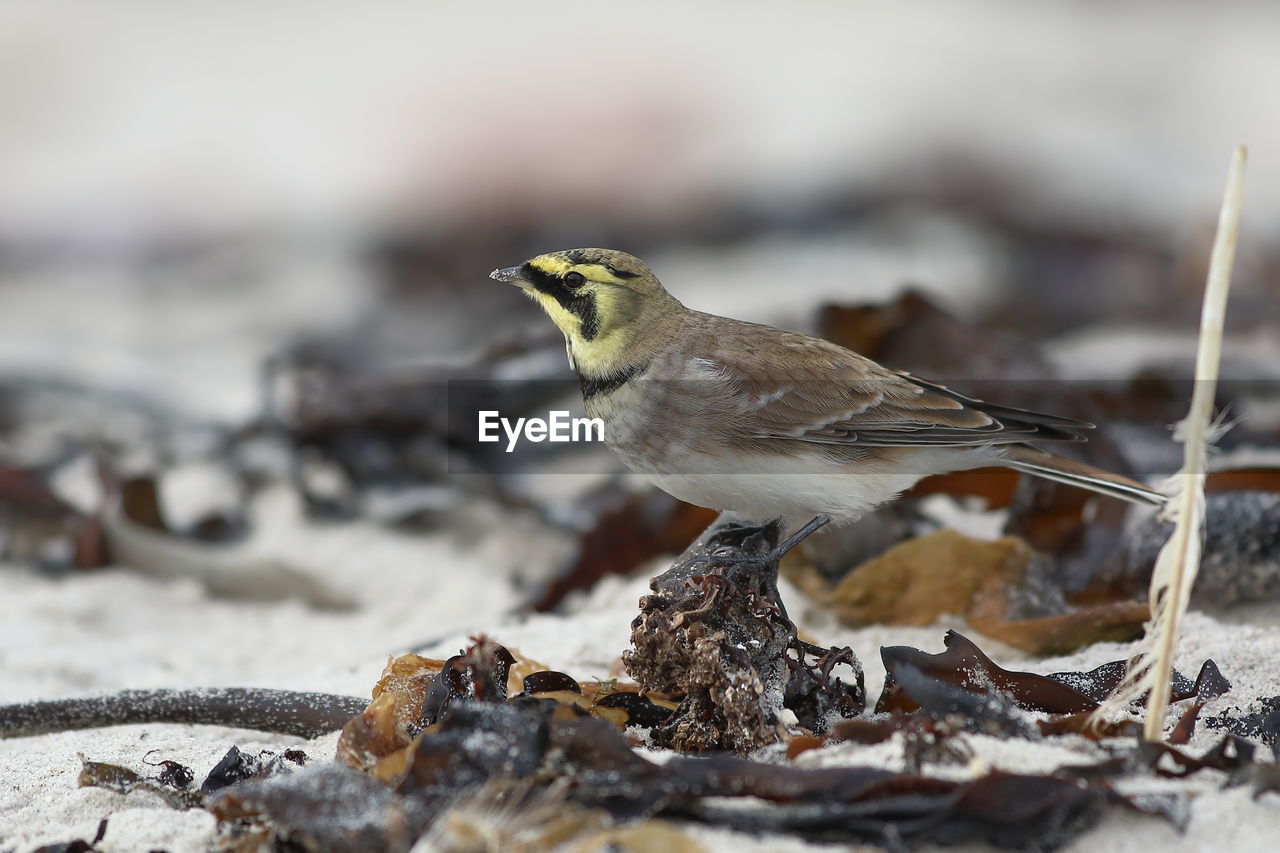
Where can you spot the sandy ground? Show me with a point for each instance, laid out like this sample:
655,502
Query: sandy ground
112,629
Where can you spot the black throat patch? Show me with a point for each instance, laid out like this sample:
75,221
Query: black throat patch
594,386
580,305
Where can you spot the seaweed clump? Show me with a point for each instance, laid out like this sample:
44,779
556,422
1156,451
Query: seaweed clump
716,632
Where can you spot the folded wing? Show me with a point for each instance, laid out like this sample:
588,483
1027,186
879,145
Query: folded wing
830,395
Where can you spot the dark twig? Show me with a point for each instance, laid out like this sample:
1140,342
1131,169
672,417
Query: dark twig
282,711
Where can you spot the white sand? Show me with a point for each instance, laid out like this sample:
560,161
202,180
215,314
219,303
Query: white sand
110,630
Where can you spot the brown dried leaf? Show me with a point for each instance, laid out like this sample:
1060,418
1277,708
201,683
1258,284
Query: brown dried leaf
1064,633
800,744
1083,724
1255,479
1055,518
408,674
391,720
916,582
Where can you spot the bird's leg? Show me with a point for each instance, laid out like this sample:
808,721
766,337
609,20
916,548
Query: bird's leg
763,568
770,580
818,522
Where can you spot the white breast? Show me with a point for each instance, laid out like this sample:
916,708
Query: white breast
796,488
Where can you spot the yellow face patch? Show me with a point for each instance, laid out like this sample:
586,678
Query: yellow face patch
565,321
592,328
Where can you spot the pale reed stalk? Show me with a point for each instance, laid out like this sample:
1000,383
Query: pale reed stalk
1179,560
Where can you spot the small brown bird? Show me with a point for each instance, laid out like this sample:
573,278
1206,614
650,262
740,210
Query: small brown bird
767,423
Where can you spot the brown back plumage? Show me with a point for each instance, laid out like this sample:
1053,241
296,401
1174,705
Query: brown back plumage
809,389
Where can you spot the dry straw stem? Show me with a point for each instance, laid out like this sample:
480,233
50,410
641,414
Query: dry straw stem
1179,560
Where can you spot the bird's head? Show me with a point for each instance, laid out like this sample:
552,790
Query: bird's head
601,299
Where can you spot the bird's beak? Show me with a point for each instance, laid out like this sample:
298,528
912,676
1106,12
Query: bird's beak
510,275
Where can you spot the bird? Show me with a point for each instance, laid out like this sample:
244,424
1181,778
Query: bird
767,424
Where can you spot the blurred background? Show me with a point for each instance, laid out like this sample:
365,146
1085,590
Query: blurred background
185,186
249,234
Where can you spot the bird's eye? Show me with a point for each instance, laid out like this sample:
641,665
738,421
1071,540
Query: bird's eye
574,279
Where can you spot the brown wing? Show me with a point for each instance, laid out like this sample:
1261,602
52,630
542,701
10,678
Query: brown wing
805,388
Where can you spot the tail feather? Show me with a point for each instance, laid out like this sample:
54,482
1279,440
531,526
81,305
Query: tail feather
1029,460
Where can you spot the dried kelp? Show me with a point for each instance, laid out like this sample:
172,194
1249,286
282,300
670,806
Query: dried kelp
539,752
964,666
283,711
237,766
122,780
415,693
1241,554
716,633
1262,724
813,692
1063,633
1101,680
326,809
1003,809
173,783
439,732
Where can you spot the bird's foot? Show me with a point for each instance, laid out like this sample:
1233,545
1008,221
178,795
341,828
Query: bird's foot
761,570
728,555
742,536
736,536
